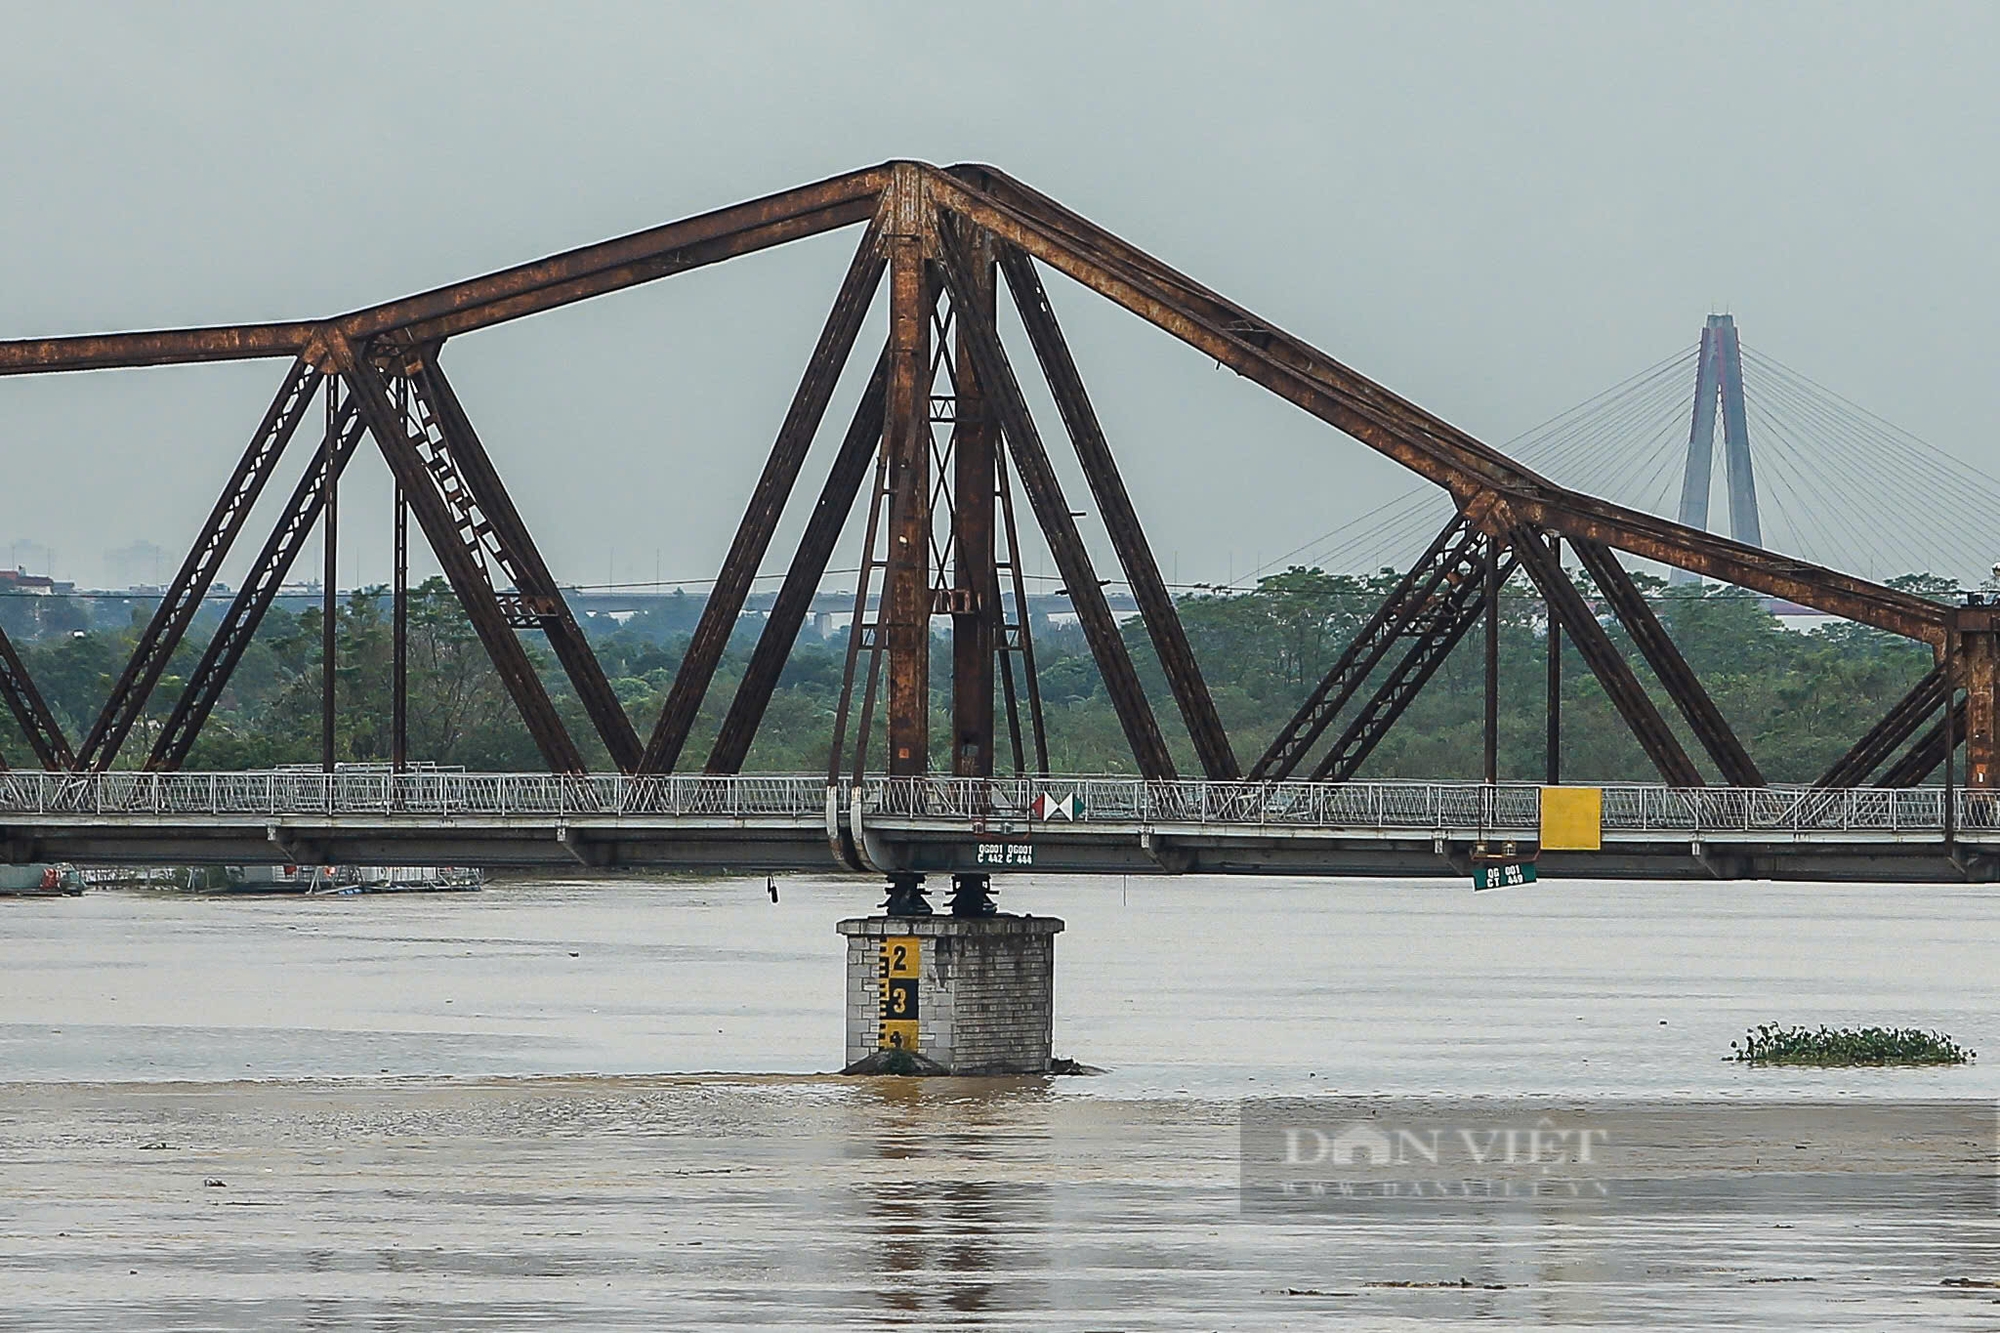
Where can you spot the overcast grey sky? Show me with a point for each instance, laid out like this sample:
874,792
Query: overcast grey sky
1498,210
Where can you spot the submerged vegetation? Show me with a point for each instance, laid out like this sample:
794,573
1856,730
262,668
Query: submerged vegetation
1825,1047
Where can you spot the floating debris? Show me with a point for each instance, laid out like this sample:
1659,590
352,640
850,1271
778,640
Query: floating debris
1824,1047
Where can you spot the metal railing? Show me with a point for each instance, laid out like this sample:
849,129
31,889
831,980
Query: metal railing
422,793
1431,806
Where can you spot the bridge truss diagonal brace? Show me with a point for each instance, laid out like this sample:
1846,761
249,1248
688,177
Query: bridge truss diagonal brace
1455,549
1128,537
1923,757
766,507
1678,678
260,588
1621,686
182,600
1437,625
1038,479
795,595
461,569
524,564
31,711
1886,736
1419,440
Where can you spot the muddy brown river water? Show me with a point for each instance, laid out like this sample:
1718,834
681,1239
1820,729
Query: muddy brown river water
609,1105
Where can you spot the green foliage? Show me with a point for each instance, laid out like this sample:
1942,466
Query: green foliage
1797,700
1824,1047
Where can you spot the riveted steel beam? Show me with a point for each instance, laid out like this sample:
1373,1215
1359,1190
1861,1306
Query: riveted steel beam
182,599
1887,736
1426,444
906,442
976,627
414,465
31,712
1704,719
795,595
210,677
1594,646
493,298
767,504
1552,685
1454,556
1038,479
1923,757
161,347
1978,659
515,551
1121,520
1436,624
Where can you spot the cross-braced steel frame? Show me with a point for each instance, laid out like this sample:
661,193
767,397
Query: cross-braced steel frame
943,540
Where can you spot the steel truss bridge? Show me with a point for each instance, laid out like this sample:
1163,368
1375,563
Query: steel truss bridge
961,826
942,440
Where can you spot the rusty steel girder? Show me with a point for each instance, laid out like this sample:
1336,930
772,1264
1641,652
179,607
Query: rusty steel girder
1885,737
260,588
537,601
1128,537
1435,625
1045,496
767,504
975,576
454,547
1422,442
1704,719
1454,556
182,599
933,226
1594,646
1927,752
511,293
31,712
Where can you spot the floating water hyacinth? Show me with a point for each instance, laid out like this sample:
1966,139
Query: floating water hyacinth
1769,1044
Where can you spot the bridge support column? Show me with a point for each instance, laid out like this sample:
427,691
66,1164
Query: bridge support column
1553,665
947,995
1979,660
907,444
329,599
1491,765
975,599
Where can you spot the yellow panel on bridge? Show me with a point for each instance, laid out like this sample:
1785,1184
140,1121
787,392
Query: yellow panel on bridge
1572,819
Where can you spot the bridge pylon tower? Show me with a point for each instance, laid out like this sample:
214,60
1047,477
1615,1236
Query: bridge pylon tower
1719,384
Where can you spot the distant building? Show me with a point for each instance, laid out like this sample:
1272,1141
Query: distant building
39,585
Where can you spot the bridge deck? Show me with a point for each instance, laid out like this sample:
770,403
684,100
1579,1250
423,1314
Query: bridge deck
938,825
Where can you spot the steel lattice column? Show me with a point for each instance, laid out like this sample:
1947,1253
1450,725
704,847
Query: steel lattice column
906,441
975,612
1979,661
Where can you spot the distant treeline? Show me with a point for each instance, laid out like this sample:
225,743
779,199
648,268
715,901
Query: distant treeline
1797,699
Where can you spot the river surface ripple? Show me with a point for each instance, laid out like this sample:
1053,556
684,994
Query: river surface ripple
609,1104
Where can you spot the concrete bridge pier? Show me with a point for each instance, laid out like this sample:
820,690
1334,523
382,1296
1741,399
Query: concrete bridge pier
966,995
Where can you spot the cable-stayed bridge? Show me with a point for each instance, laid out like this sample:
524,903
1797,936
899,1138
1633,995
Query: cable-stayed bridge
1823,477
